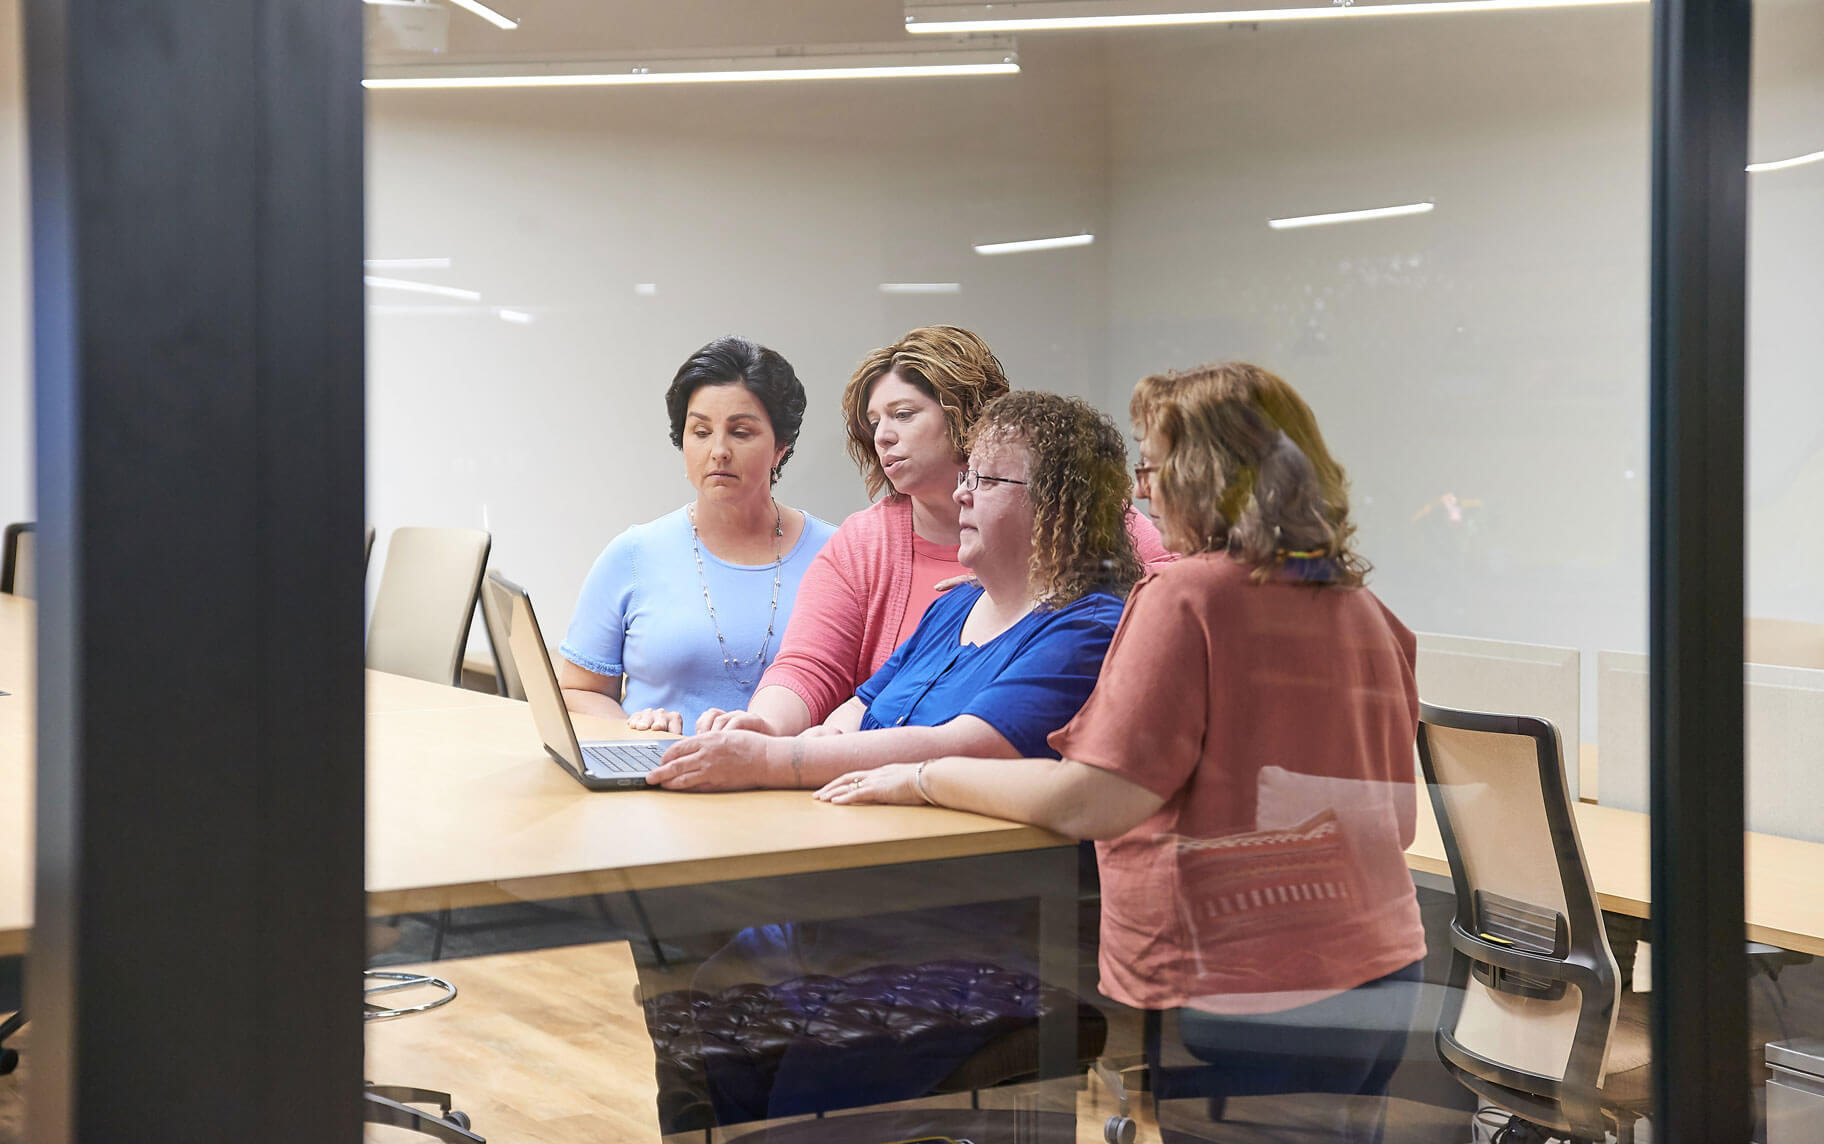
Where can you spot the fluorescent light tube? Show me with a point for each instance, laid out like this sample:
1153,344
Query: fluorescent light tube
960,19
518,317
1350,216
646,78
988,55
921,287
1782,164
487,13
406,263
1026,244
411,287
646,289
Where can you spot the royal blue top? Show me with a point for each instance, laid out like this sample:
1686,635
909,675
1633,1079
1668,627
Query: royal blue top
1025,683
641,614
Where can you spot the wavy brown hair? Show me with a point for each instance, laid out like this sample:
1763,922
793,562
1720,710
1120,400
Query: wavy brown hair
1077,480
1245,470
950,365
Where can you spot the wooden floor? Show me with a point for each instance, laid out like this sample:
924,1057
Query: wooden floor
550,1047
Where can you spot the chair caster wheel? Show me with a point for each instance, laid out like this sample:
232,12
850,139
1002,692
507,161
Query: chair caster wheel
459,1118
1119,1130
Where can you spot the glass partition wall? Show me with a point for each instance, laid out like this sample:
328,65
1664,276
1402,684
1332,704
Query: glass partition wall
1433,229
1416,498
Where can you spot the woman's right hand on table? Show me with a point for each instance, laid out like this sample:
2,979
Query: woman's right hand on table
656,719
716,719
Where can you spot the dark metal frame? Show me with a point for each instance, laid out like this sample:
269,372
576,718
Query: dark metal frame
1574,1103
1700,148
196,183
9,554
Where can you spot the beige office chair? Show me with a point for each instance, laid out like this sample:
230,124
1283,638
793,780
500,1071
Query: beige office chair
495,608
426,602
18,565
1785,643
1535,1020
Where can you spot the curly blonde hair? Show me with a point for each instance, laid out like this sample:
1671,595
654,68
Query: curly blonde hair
1245,470
950,365
1078,483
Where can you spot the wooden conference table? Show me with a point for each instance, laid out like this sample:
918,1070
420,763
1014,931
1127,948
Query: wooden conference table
465,809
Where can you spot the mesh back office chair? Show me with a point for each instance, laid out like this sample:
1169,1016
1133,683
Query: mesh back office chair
1535,1020
18,566
495,610
427,598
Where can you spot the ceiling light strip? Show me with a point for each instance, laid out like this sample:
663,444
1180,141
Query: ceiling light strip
1782,164
769,75
968,24
1350,216
921,287
406,263
487,13
1026,244
410,287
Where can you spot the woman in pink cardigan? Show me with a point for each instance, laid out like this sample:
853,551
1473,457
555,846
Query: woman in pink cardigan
909,409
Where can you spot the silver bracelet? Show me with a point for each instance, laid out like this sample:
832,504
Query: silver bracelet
918,780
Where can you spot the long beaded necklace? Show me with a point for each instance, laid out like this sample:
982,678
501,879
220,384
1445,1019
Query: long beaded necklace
733,663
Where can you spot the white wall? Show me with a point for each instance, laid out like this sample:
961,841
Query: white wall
1495,349
16,500
773,211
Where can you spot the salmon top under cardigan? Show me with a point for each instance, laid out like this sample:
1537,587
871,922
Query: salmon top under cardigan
852,604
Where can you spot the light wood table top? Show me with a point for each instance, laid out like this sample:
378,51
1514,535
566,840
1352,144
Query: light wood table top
1785,895
465,808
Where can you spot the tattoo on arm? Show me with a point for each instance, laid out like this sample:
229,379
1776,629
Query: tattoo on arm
797,762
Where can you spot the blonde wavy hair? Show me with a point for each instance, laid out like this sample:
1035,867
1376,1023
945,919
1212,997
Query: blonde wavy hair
1245,470
1078,483
950,365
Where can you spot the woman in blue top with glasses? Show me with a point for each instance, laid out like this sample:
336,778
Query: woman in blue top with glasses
999,664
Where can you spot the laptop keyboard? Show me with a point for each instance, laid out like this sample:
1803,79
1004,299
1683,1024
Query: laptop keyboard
624,760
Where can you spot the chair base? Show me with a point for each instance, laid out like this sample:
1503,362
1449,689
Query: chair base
391,1104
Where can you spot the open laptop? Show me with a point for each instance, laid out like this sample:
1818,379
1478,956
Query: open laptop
604,764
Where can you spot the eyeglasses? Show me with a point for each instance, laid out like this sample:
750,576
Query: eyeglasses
969,480
1142,471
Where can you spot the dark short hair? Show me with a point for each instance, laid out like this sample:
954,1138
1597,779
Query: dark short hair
765,373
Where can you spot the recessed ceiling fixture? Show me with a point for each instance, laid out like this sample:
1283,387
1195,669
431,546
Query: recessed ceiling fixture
921,287
987,55
487,13
1350,216
410,287
944,17
407,263
1782,164
1025,244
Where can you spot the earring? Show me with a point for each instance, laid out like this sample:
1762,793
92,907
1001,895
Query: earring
776,474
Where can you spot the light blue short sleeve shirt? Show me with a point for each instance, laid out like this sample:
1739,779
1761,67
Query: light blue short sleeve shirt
642,614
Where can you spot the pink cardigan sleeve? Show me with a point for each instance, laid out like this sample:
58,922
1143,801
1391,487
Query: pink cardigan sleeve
1152,550
819,656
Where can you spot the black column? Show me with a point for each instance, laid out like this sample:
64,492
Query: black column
1700,979
196,227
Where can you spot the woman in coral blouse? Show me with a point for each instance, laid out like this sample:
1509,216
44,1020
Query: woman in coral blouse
1245,761
909,408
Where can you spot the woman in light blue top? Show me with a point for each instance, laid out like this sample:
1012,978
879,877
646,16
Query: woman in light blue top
684,613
